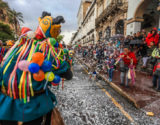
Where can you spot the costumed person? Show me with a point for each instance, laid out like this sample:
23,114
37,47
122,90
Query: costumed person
71,59
33,64
152,37
126,59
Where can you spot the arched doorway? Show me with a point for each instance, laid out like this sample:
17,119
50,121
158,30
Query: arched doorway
147,11
120,27
149,21
108,33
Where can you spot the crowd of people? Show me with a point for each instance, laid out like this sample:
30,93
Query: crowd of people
124,55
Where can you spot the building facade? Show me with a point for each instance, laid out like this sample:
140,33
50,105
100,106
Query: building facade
142,14
104,18
111,18
85,34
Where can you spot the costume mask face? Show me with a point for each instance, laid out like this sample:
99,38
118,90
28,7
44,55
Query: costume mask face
48,26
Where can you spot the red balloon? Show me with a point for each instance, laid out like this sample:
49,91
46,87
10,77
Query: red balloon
25,30
38,58
40,76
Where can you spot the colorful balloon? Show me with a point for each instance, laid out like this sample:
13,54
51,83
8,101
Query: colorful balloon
40,76
38,58
34,68
52,41
46,66
23,65
57,79
49,76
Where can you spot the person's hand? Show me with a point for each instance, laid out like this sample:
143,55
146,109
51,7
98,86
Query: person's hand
121,56
131,61
128,57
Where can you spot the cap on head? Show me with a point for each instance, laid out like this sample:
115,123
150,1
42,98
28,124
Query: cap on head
155,28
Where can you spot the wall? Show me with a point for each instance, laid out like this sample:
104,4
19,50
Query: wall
132,6
80,15
86,5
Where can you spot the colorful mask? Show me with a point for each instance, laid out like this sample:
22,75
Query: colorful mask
49,27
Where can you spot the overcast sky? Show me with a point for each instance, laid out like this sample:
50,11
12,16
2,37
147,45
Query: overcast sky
32,9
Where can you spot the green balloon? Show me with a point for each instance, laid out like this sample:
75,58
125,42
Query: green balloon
52,41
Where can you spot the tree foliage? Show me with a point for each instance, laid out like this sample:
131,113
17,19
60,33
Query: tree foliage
5,32
60,38
14,17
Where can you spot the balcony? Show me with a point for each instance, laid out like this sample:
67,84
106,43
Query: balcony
112,8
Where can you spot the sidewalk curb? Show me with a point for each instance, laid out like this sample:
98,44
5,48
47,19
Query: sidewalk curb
115,87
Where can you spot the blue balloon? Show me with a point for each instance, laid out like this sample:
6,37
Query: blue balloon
34,68
56,45
57,79
46,66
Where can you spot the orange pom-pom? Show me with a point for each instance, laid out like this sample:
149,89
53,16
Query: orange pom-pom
40,76
38,58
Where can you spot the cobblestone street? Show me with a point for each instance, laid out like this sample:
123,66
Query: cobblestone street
83,102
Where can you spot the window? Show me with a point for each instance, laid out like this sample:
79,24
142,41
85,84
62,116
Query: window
108,33
120,27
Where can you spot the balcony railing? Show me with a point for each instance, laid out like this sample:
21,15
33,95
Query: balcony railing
114,6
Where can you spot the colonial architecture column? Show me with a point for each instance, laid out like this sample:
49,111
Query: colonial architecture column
133,26
135,15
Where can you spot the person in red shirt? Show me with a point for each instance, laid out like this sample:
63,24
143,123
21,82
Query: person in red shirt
127,58
152,37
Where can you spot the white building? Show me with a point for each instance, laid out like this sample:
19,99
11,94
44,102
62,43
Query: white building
142,14
86,23
101,19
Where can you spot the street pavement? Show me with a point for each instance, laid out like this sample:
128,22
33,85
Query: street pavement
90,102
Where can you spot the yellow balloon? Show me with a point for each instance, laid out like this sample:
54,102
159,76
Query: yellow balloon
49,76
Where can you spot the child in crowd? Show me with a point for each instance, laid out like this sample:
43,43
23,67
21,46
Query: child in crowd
153,60
92,72
110,66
